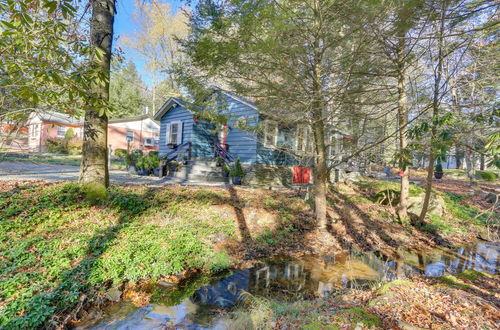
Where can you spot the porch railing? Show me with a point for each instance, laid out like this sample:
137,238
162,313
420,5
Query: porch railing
223,154
178,152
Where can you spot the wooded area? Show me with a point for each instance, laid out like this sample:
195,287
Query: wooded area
384,92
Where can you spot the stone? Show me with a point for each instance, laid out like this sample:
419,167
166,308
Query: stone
437,205
165,284
114,294
492,198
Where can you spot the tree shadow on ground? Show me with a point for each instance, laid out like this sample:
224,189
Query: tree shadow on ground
355,226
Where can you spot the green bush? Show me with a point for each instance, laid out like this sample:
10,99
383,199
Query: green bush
68,145
55,146
237,169
387,196
439,167
141,162
153,160
131,159
74,146
121,153
487,175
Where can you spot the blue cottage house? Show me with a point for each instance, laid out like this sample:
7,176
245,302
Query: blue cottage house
263,155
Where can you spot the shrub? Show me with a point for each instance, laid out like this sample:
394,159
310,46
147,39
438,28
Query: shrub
74,146
237,170
56,146
69,134
131,159
439,167
487,175
121,153
153,160
387,196
141,162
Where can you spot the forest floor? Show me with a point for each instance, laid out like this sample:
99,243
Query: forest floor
59,254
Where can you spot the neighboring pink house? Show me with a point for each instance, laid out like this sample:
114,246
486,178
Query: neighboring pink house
50,125
142,132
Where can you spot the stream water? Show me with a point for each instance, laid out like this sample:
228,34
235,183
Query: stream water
197,303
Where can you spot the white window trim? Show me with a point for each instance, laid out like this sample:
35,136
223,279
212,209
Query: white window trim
127,135
61,127
34,130
267,133
179,132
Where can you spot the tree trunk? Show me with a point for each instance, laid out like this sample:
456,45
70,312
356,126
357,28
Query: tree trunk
94,165
403,124
435,113
320,176
458,157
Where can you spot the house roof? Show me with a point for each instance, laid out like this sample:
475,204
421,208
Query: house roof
128,119
236,97
171,102
57,117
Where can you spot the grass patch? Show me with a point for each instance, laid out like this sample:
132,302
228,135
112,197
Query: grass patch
55,245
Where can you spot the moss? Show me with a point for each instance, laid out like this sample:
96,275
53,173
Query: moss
384,289
451,280
360,315
95,193
318,325
472,275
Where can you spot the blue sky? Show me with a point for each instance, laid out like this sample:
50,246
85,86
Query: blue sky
124,24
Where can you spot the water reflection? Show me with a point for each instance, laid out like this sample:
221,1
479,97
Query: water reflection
294,279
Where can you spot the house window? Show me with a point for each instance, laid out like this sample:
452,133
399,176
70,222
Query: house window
335,146
174,133
61,131
270,133
304,139
34,130
130,136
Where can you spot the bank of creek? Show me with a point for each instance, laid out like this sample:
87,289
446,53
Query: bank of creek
199,303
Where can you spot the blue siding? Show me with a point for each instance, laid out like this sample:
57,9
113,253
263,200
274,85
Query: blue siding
203,139
176,114
242,144
271,156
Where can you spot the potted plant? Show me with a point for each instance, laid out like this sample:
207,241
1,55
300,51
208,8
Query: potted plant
225,170
130,161
142,166
218,161
438,171
236,173
154,162
172,167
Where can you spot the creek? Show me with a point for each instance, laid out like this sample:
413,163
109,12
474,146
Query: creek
199,303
